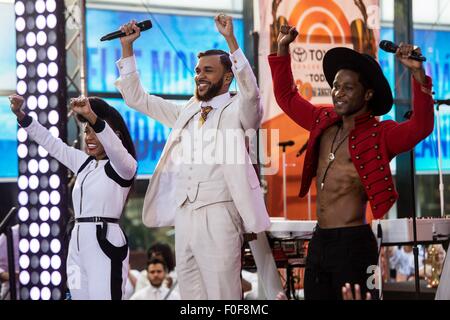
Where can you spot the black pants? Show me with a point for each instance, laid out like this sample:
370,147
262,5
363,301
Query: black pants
337,256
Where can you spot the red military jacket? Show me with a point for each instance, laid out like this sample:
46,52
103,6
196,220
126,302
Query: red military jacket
372,144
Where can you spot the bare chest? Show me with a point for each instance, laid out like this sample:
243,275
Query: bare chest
336,171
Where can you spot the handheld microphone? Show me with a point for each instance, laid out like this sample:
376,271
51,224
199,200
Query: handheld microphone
143,25
446,102
389,46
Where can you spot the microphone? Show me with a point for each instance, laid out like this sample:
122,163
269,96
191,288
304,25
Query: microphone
284,144
389,46
143,25
288,143
447,102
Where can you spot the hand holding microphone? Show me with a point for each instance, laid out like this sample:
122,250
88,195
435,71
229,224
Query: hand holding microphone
128,32
408,55
131,32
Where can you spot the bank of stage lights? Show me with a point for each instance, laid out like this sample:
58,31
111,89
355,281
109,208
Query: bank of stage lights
42,182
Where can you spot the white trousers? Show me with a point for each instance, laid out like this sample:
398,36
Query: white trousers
208,243
97,270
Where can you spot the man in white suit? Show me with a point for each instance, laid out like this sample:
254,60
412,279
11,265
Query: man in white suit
211,203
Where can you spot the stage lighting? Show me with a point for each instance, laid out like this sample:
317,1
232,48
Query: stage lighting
33,182
20,24
45,278
51,5
24,262
31,55
41,23
41,38
44,198
45,262
55,246
53,85
34,229
19,8
54,181
24,277
35,294
56,278
42,182
23,198
40,6
43,165
52,69
31,39
44,213
55,213
21,71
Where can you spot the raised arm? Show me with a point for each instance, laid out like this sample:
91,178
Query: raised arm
286,94
250,109
121,160
421,123
130,85
70,157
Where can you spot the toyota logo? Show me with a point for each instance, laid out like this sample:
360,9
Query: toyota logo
299,54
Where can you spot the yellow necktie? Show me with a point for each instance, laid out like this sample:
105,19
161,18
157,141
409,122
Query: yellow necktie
204,115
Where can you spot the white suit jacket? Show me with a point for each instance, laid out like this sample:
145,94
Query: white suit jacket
243,112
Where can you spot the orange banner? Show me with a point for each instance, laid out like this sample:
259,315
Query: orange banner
322,25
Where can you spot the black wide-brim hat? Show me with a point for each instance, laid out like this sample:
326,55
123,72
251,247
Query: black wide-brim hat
344,58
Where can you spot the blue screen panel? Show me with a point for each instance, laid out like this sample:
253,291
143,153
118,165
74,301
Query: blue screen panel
8,141
434,45
166,60
149,136
8,50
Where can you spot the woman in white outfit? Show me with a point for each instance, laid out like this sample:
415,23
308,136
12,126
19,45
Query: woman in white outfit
97,262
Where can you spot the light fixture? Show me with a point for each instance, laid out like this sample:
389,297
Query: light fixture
42,181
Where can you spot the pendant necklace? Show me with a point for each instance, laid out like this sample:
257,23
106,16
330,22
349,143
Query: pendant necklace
332,154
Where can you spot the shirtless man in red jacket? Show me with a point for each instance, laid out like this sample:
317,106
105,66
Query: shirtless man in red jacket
349,152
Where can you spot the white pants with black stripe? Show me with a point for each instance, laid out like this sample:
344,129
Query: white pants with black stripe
93,274
208,243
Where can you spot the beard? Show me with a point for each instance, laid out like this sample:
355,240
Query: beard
213,91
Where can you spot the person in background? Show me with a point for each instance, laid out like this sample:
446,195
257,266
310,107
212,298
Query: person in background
161,251
156,274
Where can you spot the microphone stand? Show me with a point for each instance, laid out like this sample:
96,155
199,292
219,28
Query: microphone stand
6,228
414,222
284,145
441,181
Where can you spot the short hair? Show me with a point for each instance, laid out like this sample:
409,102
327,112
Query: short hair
157,261
224,57
363,79
105,112
166,252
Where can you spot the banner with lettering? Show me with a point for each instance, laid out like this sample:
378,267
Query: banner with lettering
322,25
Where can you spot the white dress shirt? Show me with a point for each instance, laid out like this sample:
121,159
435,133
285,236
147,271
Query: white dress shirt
153,293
